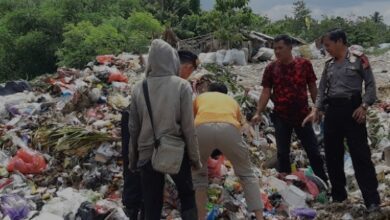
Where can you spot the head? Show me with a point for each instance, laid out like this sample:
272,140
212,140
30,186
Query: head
218,87
283,47
188,63
335,42
163,59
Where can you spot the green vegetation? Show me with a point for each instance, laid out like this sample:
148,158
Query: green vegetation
37,36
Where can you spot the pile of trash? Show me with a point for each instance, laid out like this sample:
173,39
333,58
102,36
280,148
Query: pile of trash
60,141
60,148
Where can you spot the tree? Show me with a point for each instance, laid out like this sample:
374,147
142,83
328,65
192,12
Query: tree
230,17
302,18
377,17
195,6
82,42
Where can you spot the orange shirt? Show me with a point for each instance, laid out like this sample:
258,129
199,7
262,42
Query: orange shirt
214,107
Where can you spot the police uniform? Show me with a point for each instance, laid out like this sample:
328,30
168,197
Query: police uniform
340,94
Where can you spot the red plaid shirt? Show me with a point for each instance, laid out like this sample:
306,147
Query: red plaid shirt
289,84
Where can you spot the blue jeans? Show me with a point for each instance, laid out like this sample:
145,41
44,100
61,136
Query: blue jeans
283,132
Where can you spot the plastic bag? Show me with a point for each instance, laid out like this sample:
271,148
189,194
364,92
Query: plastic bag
304,212
105,59
27,162
266,202
310,185
117,77
213,214
220,56
14,206
214,167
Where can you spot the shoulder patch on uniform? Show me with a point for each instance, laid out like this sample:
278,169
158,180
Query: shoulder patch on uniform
362,57
364,61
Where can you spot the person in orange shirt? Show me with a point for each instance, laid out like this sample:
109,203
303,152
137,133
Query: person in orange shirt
218,124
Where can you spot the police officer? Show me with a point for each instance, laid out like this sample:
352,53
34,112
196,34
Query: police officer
340,96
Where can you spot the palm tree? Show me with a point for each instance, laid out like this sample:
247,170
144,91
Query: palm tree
377,17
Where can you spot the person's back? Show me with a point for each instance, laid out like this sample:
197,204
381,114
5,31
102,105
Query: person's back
216,107
218,126
171,109
168,94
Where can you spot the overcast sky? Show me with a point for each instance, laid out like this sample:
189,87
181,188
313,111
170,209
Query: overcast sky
277,9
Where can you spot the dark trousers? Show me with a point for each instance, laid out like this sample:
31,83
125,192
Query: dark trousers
153,186
339,125
283,132
132,190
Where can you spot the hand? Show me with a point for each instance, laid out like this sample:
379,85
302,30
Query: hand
196,166
360,115
257,118
313,117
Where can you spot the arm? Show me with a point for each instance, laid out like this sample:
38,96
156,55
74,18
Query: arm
319,104
264,98
370,91
267,83
370,88
319,101
134,130
311,81
313,91
188,127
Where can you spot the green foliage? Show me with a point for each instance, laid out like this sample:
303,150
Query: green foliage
82,42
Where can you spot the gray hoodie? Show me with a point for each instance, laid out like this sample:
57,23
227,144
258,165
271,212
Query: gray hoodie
171,102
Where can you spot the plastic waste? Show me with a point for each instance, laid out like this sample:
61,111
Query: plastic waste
24,109
264,54
65,98
14,206
347,216
213,214
66,204
118,101
234,56
117,77
266,202
207,58
220,55
105,152
105,59
310,185
317,128
27,162
48,216
322,198
348,167
304,213
86,211
294,197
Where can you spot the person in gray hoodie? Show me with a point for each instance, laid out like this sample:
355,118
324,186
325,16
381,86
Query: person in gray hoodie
171,103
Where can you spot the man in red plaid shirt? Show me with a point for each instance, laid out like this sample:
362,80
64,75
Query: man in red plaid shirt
286,81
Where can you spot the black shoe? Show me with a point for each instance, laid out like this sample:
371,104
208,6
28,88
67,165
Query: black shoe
132,214
373,208
338,200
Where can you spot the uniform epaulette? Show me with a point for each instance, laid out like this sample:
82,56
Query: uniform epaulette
361,56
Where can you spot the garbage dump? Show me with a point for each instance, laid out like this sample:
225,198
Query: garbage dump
60,148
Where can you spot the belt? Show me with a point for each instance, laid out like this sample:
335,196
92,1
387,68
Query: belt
347,101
